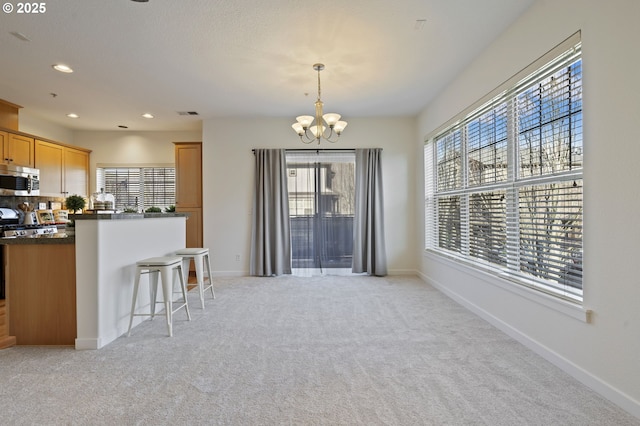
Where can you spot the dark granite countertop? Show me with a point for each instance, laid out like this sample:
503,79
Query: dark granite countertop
59,238
116,216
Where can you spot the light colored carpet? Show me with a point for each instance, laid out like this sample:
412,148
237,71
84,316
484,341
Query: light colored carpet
303,351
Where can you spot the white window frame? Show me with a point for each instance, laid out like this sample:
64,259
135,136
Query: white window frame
143,201
461,248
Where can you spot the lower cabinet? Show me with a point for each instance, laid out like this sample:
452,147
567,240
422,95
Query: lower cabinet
194,226
41,293
5,339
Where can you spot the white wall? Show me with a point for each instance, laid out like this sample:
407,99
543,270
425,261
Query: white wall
126,147
228,182
605,354
34,125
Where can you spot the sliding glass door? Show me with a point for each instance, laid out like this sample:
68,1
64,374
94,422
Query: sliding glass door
321,208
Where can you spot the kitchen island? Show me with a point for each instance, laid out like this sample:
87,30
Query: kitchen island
76,289
107,247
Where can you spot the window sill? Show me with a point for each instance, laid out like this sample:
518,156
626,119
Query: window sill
568,308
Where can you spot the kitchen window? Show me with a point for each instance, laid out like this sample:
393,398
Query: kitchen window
503,182
138,188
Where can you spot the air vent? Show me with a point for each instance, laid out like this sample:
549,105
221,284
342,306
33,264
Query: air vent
19,36
187,113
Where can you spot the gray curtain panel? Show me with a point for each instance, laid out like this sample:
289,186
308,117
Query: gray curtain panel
270,233
369,253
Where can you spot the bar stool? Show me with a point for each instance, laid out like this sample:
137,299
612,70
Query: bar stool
200,257
165,267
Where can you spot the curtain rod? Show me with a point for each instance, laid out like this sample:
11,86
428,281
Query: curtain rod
314,149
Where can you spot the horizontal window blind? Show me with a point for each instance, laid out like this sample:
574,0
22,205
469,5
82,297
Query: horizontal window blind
550,123
503,184
430,211
449,157
551,232
488,227
487,142
449,225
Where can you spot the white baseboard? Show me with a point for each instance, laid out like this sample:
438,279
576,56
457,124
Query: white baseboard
246,273
609,392
230,273
403,272
87,344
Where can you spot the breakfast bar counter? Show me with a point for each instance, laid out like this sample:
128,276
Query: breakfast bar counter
107,247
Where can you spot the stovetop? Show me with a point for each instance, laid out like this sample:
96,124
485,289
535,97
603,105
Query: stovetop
28,230
10,226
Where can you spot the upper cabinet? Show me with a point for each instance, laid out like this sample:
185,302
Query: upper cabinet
50,162
9,115
189,188
76,172
188,174
17,149
64,170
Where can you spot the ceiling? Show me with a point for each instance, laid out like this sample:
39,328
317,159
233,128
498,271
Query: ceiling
241,58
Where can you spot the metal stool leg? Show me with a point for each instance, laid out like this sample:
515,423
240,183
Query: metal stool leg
198,260
167,283
183,287
153,290
210,286
135,298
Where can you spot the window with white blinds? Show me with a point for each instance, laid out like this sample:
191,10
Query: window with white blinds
503,184
138,188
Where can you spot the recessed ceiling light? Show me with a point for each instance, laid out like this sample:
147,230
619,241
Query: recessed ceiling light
62,68
73,115
147,115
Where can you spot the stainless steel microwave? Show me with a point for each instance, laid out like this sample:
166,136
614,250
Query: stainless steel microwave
19,181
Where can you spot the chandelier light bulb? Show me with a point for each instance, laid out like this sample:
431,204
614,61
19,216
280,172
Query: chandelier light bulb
298,128
339,126
305,120
331,118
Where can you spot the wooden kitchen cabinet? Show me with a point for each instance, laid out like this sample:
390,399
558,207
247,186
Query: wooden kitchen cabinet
188,174
64,170
5,339
4,141
42,299
9,115
194,226
17,149
50,160
189,188
76,172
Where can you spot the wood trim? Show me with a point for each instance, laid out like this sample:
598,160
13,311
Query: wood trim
5,340
9,115
10,104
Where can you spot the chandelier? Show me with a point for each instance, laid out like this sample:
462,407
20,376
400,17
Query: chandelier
327,126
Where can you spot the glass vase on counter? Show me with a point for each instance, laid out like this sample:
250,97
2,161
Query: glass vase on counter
102,200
